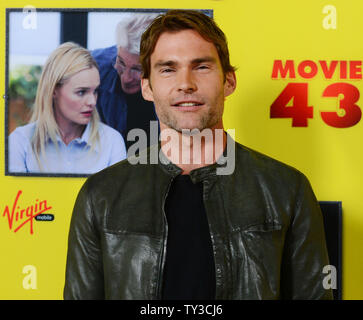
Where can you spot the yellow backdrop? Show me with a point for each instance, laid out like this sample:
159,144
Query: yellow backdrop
259,32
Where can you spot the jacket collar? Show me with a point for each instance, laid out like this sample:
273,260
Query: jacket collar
197,175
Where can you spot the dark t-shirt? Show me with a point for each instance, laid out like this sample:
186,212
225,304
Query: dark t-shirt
189,271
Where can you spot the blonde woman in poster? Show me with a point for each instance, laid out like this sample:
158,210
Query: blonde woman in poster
65,135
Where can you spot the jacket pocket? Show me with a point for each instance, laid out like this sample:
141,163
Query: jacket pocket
257,253
130,264
263,227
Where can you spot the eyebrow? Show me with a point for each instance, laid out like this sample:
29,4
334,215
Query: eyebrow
172,63
204,59
86,88
123,62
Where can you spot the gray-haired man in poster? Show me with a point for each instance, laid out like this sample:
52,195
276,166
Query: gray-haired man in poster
120,103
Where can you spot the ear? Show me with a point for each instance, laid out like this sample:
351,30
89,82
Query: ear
55,95
230,83
146,90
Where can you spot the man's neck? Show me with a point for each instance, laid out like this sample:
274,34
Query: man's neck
191,151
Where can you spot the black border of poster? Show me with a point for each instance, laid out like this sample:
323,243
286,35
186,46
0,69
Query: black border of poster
66,35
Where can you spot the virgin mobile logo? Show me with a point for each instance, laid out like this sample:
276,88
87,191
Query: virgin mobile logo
20,217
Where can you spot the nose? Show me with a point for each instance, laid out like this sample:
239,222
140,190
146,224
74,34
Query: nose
127,76
186,81
92,99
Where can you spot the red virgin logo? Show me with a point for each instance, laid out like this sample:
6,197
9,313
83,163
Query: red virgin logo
20,217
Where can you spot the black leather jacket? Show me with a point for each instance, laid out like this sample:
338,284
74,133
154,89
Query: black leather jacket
265,225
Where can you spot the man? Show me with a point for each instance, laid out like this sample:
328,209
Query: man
177,229
120,103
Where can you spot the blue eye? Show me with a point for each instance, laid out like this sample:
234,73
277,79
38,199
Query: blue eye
81,93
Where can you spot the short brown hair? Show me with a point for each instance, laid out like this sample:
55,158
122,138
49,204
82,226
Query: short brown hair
178,20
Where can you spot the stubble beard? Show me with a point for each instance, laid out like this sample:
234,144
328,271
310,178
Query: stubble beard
206,120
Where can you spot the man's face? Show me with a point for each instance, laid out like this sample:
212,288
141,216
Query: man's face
186,82
129,70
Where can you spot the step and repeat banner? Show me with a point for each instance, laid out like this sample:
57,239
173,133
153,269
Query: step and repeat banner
298,99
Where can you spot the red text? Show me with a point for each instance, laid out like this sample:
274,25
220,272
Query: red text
19,217
308,69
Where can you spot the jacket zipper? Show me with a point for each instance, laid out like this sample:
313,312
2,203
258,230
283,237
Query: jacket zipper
165,239
211,238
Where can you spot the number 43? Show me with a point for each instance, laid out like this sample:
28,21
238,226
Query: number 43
300,112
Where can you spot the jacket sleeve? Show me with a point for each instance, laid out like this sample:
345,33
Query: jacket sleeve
84,270
305,253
